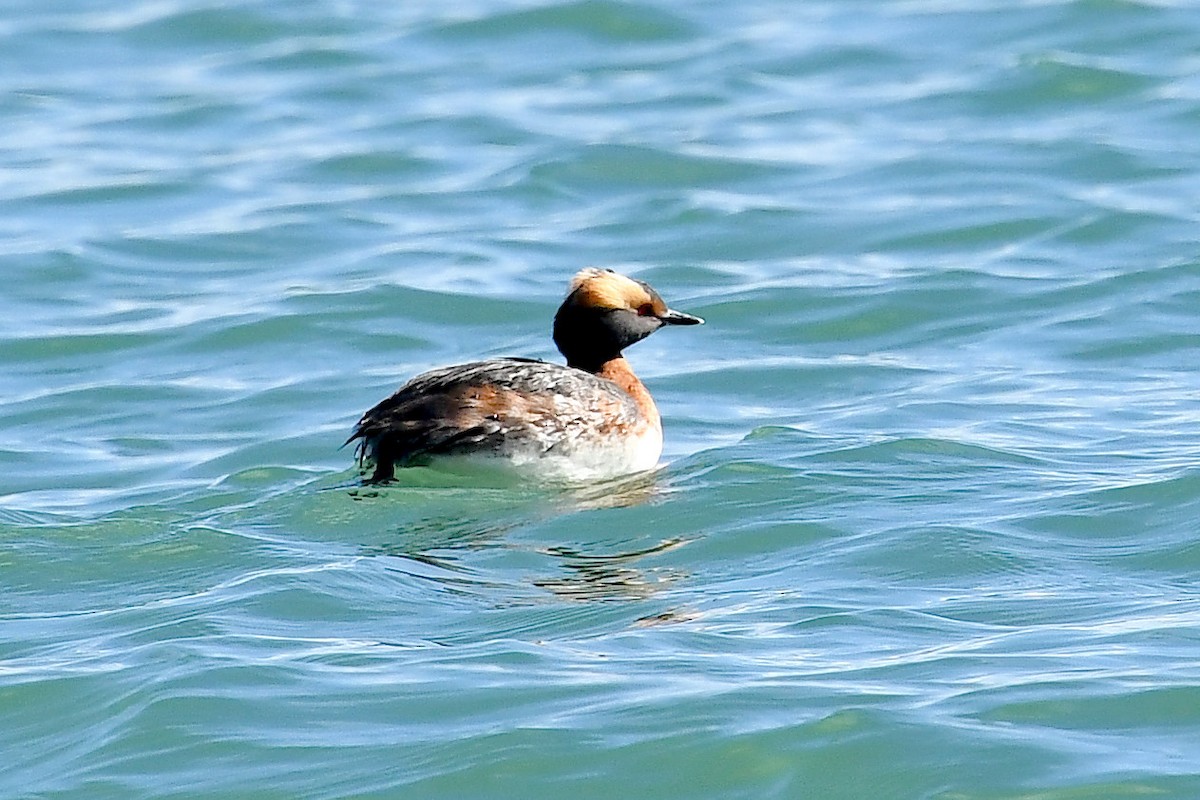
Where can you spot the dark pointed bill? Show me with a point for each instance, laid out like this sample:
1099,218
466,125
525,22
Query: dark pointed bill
673,317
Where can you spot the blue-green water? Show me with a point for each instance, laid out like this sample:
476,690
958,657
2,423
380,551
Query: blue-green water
928,522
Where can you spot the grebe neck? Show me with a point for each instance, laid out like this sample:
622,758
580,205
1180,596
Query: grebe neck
619,372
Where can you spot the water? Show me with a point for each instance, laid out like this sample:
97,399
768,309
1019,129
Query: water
927,523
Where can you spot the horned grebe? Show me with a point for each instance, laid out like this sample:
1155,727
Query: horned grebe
589,419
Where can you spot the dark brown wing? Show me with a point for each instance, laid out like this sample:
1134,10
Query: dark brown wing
483,406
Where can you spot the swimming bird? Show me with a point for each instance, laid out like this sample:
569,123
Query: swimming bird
590,419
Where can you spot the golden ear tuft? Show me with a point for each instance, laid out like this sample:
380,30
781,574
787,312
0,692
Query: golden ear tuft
603,288
583,276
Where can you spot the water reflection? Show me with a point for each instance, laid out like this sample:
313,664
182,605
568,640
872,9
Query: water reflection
494,484
609,576
465,537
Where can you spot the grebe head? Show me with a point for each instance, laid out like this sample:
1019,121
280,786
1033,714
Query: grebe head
604,313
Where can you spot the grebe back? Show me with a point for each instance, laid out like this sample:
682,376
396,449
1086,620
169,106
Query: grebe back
589,419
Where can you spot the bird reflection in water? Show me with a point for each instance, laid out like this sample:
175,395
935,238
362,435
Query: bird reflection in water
436,547
609,576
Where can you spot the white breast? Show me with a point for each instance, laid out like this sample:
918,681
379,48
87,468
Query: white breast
581,460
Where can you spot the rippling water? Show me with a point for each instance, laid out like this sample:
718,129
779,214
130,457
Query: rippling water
928,522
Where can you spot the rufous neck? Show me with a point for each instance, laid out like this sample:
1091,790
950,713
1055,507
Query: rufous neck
619,372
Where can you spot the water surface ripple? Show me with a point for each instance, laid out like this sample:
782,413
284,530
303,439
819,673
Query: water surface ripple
927,523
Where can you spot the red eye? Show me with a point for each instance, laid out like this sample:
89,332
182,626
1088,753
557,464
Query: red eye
645,310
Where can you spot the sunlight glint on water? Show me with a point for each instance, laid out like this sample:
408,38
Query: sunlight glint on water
925,526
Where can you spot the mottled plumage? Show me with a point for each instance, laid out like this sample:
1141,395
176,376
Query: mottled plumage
590,418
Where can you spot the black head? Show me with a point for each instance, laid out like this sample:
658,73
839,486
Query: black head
604,313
